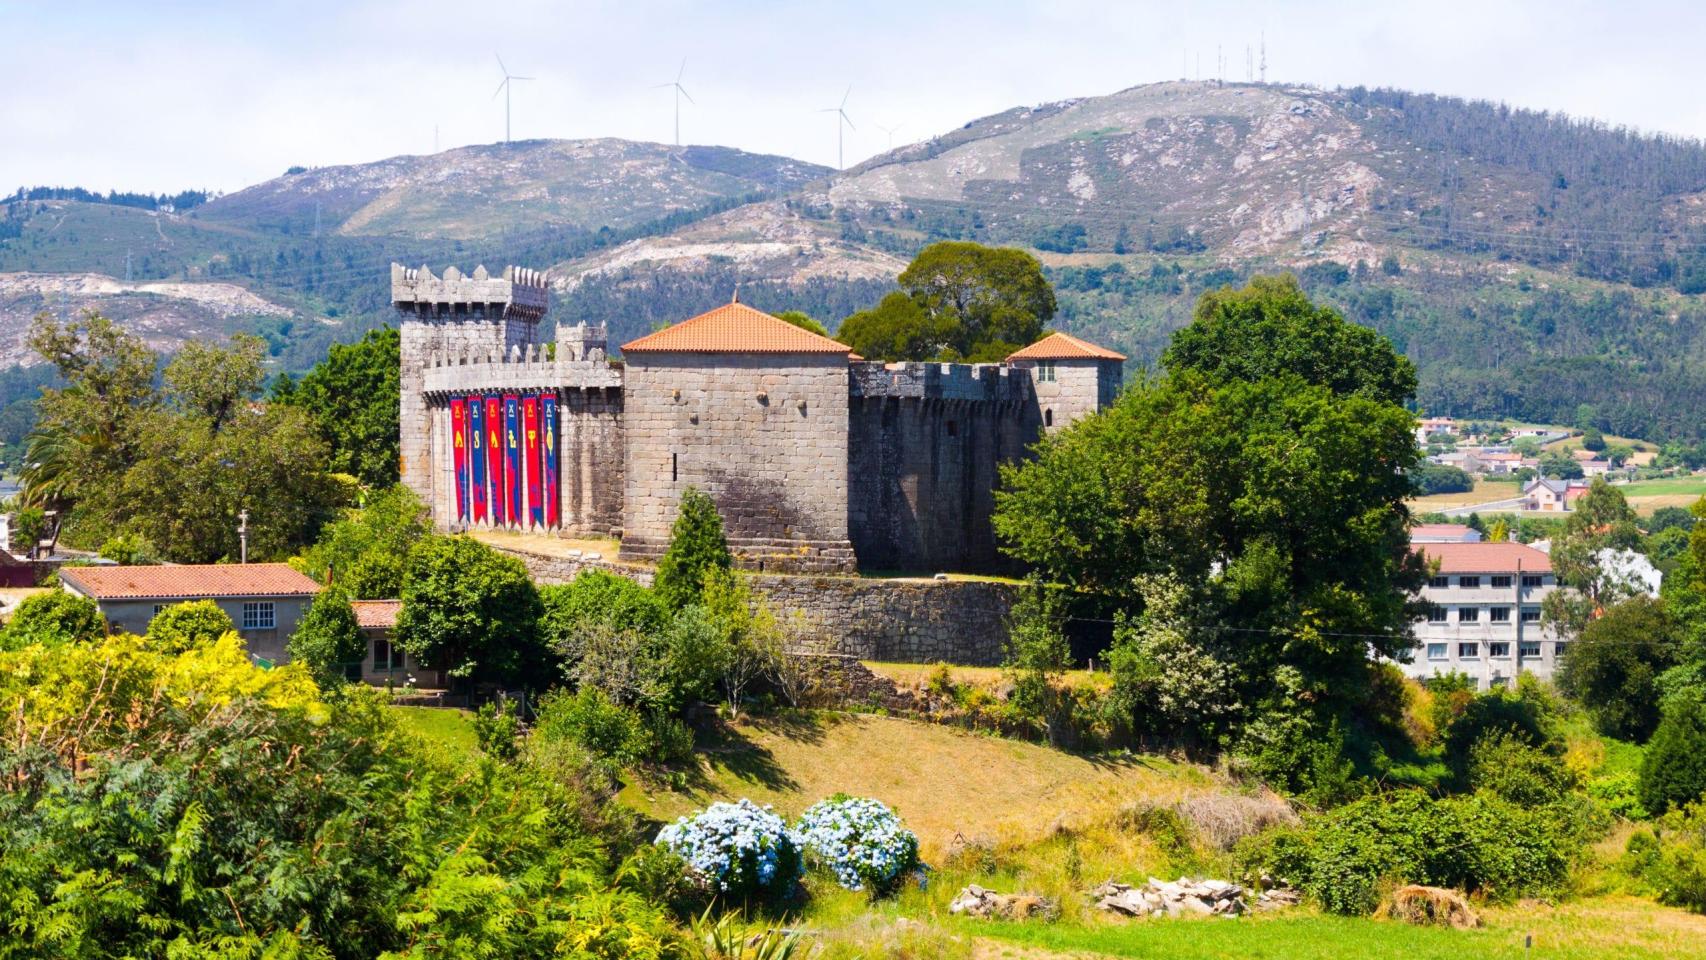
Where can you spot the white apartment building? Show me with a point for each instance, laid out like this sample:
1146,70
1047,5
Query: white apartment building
1484,614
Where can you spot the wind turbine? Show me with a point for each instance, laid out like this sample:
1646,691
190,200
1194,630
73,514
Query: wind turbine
890,131
503,88
840,131
680,91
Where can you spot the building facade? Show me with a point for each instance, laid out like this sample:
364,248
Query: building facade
818,460
1483,616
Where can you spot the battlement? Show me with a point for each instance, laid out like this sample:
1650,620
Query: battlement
521,293
521,368
977,382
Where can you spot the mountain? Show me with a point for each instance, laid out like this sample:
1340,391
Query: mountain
1532,265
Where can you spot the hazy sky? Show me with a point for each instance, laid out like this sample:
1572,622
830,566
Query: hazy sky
168,95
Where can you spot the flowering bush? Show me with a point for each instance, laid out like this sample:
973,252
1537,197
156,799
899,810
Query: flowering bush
861,841
737,849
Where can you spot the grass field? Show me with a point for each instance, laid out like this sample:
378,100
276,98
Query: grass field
448,731
1484,491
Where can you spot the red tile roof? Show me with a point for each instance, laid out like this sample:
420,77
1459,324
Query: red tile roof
1062,346
376,614
189,581
1485,557
735,328
1439,530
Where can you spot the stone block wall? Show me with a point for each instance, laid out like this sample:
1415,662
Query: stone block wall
907,621
590,465
764,435
1078,389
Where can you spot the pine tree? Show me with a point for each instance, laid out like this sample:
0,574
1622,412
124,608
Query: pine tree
696,546
1673,771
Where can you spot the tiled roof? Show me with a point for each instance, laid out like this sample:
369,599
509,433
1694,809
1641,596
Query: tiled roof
1485,557
1439,530
1062,346
735,328
376,614
189,581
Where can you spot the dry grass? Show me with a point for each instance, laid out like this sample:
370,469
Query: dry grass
1430,907
1484,492
917,675
546,544
945,782
1223,819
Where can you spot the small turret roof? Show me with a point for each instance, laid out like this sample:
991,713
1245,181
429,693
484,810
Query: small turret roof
1062,346
735,328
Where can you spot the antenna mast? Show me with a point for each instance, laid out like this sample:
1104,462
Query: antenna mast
1264,56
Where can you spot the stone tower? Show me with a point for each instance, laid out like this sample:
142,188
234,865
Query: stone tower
456,316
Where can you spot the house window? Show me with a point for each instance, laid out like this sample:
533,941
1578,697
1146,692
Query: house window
1436,651
1530,614
1530,651
259,615
1558,649
1530,580
1499,683
1468,614
159,607
1468,651
1499,614
1045,371
1469,583
1439,582
1500,583
1436,614
386,657
1499,650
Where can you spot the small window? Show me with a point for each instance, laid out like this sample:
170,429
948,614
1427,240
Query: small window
1529,651
386,657
1498,650
1499,614
259,615
1500,683
1468,614
1045,371
158,607
1469,583
1436,651
674,467
1468,651
1531,580
1048,418
1558,649
1530,614
1439,583
1501,583
1436,614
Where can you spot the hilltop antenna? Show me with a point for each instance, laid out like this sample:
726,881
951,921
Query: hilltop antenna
890,131
1264,56
503,88
680,91
840,130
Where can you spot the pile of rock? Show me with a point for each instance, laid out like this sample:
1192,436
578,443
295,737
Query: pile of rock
1158,898
976,901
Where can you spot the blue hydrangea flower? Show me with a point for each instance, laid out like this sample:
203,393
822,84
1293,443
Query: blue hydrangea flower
739,849
860,841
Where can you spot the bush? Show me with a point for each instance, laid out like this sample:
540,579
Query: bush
52,619
496,732
696,547
1519,772
610,731
130,550
1441,478
1673,769
594,599
860,841
184,625
740,851
328,641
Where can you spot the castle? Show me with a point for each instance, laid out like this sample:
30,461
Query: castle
818,460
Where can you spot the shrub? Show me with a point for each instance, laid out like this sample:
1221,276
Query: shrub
696,547
1673,769
610,731
860,841
1037,651
184,625
596,597
496,731
130,550
737,850
52,619
328,641
1516,771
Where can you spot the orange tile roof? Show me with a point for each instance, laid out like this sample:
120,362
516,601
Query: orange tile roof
735,328
1063,346
189,581
1485,557
1439,530
376,614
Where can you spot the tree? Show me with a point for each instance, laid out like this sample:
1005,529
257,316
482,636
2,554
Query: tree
469,610
29,528
1560,466
696,547
957,301
351,397
1613,669
210,382
1037,650
1673,767
1168,675
1269,328
1440,478
328,640
184,625
52,619
1600,521
364,552
1593,439
804,321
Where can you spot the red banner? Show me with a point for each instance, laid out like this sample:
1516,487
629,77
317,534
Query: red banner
548,456
530,455
459,444
495,457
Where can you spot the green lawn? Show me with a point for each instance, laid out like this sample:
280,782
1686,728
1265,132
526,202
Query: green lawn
1668,486
450,731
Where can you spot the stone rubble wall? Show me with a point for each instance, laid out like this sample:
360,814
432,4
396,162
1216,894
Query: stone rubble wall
907,621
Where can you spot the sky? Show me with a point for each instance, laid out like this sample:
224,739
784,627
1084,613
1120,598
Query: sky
165,96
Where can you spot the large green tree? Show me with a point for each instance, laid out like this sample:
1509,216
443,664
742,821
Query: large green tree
352,398
1600,522
470,610
957,301
1613,669
328,641
364,552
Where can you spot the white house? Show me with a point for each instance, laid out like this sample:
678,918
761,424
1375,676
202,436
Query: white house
1483,614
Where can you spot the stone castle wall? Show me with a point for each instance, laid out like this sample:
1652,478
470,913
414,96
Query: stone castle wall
906,621
764,435
1078,389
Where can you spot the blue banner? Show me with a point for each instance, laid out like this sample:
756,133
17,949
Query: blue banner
512,457
477,456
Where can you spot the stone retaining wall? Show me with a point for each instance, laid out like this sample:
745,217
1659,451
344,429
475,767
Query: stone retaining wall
908,621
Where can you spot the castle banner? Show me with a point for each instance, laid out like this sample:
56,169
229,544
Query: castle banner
548,441
512,457
477,456
459,446
495,457
530,435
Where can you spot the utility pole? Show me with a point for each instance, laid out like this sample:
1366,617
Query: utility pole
243,534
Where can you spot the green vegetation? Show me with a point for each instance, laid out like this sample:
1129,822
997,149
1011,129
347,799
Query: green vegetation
327,642
351,397
470,610
366,550
957,301
53,619
696,548
184,625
